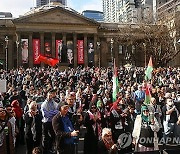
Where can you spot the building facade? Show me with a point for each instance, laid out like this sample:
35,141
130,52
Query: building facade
40,3
72,38
92,14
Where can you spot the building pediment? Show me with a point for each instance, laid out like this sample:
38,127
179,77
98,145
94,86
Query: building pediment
56,15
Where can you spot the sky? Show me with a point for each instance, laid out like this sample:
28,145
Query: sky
19,7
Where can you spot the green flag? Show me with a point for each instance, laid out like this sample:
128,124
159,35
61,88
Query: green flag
115,83
148,72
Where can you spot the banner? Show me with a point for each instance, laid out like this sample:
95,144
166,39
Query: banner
70,56
91,52
36,50
58,49
50,61
47,48
80,51
24,50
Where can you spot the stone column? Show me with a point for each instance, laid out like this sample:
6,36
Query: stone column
10,53
30,51
53,45
75,49
18,50
85,51
64,38
95,51
42,45
116,53
104,49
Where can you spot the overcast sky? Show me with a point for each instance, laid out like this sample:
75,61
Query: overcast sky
19,7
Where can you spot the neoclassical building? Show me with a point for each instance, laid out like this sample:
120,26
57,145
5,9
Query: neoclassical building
65,34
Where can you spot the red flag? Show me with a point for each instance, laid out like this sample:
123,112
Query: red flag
50,61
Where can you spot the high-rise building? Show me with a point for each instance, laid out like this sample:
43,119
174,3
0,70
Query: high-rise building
44,2
128,11
110,10
92,14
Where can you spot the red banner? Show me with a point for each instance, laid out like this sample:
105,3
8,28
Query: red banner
36,50
50,61
80,51
58,49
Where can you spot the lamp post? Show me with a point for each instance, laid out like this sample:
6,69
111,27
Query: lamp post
99,53
144,44
6,50
17,47
112,41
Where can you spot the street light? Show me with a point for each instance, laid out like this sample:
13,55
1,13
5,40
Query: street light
144,44
98,46
17,47
6,48
112,41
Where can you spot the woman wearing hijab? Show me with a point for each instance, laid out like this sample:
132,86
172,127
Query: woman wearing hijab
145,131
6,136
33,128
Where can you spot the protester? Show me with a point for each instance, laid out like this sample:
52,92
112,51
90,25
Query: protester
106,145
33,128
92,124
170,117
64,131
49,110
6,136
145,131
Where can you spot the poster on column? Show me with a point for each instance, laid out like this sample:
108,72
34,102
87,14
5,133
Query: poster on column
70,55
47,48
90,52
36,50
80,51
24,50
58,49
3,84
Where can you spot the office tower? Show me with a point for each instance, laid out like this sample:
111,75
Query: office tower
109,10
92,14
129,11
44,2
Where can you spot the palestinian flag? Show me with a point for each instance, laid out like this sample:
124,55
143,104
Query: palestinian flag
148,72
147,95
115,83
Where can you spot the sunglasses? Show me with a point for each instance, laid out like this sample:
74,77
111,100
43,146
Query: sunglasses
145,110
93,107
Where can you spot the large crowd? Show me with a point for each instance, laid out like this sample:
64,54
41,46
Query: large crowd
50,110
